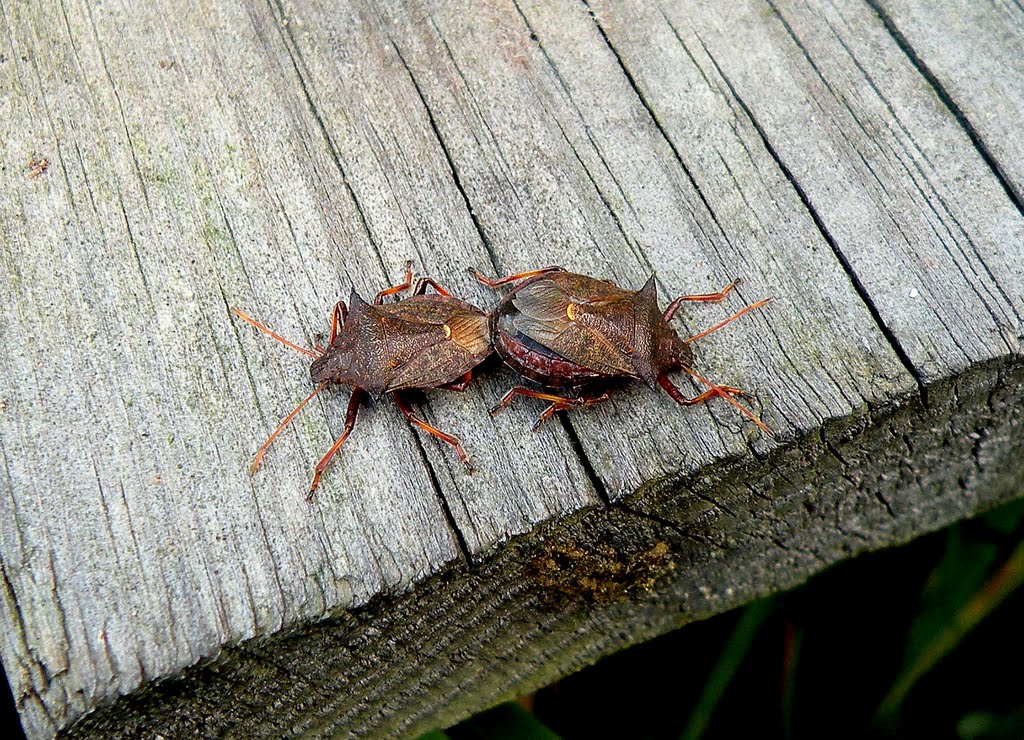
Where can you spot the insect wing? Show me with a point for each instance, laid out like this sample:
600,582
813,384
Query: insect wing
469,331
577,330
585,289
543,301
448,338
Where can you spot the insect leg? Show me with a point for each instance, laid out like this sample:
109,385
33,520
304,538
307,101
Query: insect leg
519,390
723,391
558,403
498,282
705,297
459,385
729,320
716,392
350,422
263,448
379,298
424,282
403,406
566,404
338,317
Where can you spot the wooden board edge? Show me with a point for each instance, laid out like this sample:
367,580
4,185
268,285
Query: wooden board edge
592,583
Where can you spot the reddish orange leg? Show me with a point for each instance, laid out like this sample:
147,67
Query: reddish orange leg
566,404
729,320
459,385
717,391
498,282
338,317
558,403
723,391
403,406
705,298
424,282
350,422
379,299
519,390
280,427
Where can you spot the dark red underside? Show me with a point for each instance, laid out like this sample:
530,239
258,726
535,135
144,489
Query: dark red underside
531,360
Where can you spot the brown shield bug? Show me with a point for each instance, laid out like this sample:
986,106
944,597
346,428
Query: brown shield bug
565,330
424,341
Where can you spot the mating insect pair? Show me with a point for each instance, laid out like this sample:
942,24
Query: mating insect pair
557,328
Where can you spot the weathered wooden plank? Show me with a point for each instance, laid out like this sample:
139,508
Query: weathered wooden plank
893,181
972,53
269,156
383,142
600,188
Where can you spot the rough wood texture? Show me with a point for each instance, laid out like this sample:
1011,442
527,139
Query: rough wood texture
979,77
859,161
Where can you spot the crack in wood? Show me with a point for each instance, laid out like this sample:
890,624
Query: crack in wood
658,125
826,235
950,104
456,179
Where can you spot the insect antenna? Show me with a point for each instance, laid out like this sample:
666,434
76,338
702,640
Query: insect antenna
249,320
729,320
727,395
498,282
263,448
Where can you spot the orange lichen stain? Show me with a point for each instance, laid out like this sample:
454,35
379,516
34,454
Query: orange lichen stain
567,572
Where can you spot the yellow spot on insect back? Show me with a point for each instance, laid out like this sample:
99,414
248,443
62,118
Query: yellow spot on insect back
447,332
570,312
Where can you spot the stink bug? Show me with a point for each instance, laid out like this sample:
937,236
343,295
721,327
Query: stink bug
562,329
424,341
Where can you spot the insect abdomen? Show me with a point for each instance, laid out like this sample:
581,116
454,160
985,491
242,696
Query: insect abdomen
536,362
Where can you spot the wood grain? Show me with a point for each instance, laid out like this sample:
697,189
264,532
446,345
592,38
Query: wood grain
979,77
274,156
893,182
600,144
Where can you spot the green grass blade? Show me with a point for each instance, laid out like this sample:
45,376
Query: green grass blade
507,721
721,675
1005,580
991,726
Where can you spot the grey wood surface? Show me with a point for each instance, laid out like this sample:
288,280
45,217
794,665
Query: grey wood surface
857,161
972,54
